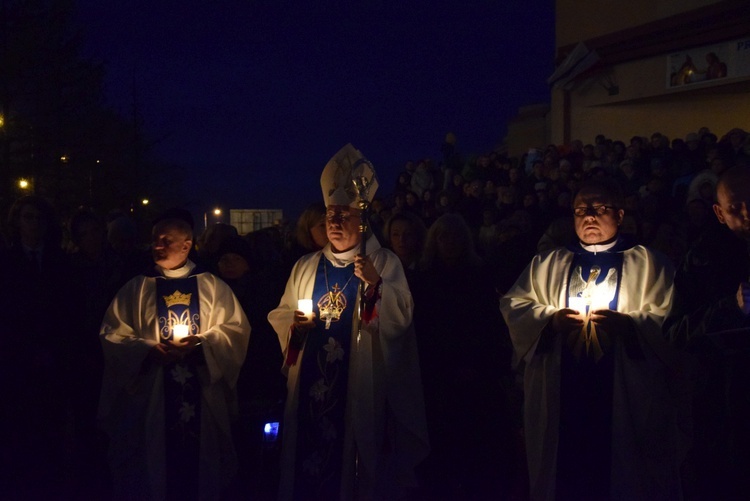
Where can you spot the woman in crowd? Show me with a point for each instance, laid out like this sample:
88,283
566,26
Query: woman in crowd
464,355
405,234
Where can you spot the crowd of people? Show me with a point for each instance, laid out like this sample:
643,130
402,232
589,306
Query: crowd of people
485,323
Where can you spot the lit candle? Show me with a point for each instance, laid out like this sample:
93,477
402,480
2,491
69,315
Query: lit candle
179,332
578,304
602,297
305,306
599,303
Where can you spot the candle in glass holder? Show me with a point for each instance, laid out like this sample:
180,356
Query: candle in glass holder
305,306
578,304
179,332
601,300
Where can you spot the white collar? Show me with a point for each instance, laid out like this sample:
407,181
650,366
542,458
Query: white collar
181,272
599,248
344,259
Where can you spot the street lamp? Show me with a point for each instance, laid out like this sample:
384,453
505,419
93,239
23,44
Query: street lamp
216,212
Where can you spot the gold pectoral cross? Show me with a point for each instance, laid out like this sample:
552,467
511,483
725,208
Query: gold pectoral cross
331,305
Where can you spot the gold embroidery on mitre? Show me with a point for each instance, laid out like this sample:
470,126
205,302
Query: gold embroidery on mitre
177,298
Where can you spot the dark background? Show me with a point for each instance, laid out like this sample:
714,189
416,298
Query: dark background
250,99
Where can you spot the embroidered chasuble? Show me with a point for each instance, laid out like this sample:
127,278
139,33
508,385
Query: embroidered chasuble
178,304
324,374
584,457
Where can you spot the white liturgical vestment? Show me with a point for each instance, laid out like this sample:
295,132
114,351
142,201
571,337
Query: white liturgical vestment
131,409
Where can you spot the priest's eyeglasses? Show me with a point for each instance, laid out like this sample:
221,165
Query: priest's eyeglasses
338,217
593,210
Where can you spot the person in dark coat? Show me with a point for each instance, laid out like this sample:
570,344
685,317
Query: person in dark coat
711,323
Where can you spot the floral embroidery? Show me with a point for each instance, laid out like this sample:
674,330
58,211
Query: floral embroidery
187,412
335,351
327,429
324,401
313,464
184,400
181,374
318,390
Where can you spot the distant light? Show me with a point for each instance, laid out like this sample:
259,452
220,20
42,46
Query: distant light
64,159
98,161
23,184
2,120
271,431
217,212
144,201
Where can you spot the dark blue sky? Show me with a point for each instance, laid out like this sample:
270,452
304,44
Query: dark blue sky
254,97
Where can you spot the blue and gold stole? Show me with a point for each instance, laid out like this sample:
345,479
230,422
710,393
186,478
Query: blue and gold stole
178,303
323,381
587,368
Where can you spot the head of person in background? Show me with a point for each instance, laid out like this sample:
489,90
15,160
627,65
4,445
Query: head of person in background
449,244
122,235
405,235
211,239
88,233
33,223
311,227
412,201
234,259
732,206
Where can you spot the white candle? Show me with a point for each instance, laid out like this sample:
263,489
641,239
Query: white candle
604,294
179,331
599,303
578,304
305,306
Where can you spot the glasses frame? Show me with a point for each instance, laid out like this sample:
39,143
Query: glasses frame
593,210
338,217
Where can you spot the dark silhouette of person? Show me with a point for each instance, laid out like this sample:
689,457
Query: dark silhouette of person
36,312
711,323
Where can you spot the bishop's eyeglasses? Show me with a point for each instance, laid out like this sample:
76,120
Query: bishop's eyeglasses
338,217
593,210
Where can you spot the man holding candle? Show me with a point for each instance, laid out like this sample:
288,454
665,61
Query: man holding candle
586,321
354,418
174,340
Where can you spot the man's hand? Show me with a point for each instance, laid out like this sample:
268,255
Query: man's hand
302,322
162,354
566,320
743,298
612,322
365,270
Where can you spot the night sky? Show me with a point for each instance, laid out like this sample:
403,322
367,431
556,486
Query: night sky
253,98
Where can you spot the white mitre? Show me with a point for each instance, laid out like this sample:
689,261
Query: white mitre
347,177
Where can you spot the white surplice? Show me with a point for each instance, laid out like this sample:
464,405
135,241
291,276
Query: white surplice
647,442
131,408
385,404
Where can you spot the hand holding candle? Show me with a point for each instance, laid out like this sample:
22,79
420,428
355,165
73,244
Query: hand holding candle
180,332
613,322
304,317
567,320
578,304
305,306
